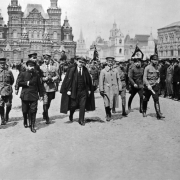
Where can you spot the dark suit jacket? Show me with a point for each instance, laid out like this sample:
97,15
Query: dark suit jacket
176,75
35,88
70,84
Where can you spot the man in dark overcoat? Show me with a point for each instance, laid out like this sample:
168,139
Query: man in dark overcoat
77,91
32,91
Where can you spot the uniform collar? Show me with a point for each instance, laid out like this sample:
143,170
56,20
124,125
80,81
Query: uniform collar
107,68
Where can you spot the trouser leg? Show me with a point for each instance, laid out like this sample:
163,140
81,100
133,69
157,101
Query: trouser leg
26,113
33,111
133,93
82,104
46,115
123,98
147,94
3,122
140,92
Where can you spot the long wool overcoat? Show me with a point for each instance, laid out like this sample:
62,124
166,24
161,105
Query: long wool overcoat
70,83
110,84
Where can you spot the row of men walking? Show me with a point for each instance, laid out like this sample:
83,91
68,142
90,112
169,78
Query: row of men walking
39,83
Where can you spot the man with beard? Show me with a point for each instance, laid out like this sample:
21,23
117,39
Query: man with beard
77,91
151,86
49,78
6,82
136,80
109,85
31,90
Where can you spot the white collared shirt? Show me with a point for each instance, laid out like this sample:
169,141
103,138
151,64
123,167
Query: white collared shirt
79,69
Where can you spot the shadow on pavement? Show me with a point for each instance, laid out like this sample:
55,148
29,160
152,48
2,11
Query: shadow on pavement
88,120
8,125
152,115
42,124
117,117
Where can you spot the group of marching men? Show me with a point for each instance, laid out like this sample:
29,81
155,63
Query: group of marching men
39,82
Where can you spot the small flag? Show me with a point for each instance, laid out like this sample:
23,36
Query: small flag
137,52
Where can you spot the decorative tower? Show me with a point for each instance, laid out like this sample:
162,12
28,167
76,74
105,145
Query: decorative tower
81,46
67,31
117,42
67,38
15,20
54,13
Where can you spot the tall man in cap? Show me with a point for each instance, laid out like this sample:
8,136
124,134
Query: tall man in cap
109,85
136,80
77,91
49,77
151,86
31,90
6,82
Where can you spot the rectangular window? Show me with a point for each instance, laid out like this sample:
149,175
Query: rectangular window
172,53
1,35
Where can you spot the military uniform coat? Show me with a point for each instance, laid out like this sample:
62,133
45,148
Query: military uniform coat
35,88
110,84
50,71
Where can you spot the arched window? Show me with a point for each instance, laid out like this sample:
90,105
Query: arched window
40,35
120,50
14,34
35,34
55,35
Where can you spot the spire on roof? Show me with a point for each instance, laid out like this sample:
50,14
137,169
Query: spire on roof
66,16
81,35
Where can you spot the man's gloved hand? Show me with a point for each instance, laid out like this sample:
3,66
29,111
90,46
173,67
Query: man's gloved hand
69,93
135,85
120,92
102,93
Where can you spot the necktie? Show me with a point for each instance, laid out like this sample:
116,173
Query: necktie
80,70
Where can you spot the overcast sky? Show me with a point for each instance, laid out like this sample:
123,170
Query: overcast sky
96,17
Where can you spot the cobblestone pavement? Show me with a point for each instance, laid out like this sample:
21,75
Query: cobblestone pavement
130,148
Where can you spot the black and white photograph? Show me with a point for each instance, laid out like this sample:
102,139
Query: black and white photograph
89,90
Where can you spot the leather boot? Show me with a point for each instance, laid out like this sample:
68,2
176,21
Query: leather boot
3,122
107,114
71,115
144,108
129,103
45,107
124,110
25,120
141,106
158,112
124,107
33,120
8,109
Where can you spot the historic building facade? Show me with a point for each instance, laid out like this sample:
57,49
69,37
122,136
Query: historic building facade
81,46
145,42
169,41
114,47
36,31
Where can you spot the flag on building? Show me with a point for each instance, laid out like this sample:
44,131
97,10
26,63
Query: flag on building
96,54
156,50
137,53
